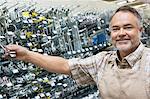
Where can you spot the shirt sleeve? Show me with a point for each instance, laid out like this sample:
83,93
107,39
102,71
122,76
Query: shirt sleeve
84,71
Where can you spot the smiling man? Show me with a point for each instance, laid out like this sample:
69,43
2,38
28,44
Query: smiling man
126,30
120,74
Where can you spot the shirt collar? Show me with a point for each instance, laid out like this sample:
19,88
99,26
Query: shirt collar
134,56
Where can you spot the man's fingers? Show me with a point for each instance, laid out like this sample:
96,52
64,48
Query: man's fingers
11,47
10,51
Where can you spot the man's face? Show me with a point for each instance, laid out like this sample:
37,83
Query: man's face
125,31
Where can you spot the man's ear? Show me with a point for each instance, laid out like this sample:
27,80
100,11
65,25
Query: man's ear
141,29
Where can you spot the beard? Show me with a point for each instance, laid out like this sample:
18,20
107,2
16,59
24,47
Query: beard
124,45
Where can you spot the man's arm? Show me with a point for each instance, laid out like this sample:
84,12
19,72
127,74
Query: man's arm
49,63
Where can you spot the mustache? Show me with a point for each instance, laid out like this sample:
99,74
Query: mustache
121,39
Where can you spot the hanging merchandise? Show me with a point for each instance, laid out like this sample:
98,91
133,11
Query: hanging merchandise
50,32
26,14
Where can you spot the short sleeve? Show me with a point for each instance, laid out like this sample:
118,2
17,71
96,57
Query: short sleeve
84,71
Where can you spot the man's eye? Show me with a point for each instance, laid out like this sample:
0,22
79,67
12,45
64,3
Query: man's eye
128,28
115,29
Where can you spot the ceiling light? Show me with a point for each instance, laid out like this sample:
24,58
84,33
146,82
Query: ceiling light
131,0
121,2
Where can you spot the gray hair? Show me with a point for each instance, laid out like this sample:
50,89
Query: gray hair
131,10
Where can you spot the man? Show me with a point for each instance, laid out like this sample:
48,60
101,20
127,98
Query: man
120,74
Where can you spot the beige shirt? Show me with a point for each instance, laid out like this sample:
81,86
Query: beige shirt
115,83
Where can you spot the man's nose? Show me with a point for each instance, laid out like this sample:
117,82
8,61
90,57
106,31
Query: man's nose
122,32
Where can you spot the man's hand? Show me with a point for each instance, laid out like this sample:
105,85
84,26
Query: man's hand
21,52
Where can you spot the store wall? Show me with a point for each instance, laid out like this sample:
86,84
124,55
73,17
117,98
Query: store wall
74,5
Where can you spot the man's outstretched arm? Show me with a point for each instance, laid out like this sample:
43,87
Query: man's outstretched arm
50,63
